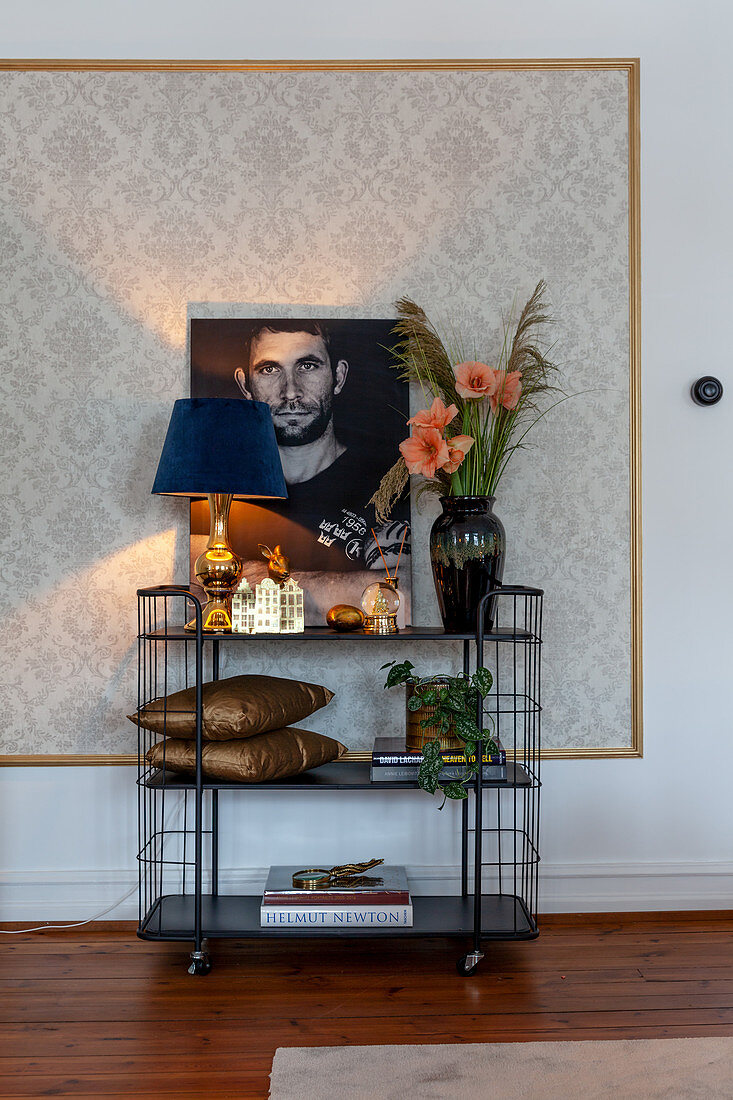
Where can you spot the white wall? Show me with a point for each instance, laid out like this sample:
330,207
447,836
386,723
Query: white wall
626,834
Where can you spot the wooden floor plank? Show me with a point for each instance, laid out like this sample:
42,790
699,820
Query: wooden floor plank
230,1082
551,1006
288,958
596,969
240,996
223,1036
203,1061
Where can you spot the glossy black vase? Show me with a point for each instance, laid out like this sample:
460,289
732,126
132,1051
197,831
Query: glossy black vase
467,544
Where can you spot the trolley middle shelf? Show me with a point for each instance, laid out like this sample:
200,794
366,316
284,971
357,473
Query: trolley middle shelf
351,775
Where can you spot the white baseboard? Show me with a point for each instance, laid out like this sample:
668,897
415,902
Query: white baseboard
630,887
564,888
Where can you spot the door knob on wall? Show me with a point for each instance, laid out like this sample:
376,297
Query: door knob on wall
707,390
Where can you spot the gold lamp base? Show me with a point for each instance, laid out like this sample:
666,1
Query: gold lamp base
218,570
216,617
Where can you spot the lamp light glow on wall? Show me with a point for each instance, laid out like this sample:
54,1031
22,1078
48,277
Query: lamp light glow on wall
220,448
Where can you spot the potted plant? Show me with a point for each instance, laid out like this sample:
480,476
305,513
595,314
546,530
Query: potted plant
450,707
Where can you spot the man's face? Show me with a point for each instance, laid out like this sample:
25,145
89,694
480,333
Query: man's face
291,371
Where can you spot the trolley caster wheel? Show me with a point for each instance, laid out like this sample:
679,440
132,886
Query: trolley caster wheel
468,964
200,963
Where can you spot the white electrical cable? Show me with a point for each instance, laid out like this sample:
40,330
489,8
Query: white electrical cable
78,924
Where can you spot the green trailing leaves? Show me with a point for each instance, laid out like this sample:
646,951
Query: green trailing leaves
456,698
455,790
483,680
398,674
431,767
452,705
466,727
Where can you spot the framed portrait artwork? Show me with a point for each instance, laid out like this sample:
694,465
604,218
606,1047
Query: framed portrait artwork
339,410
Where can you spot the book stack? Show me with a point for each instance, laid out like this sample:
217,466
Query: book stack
379,901
392,762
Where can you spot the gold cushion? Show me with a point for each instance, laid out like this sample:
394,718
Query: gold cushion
272,755
238,706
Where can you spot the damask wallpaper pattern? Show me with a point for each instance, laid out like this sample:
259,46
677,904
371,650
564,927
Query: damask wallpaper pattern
133,200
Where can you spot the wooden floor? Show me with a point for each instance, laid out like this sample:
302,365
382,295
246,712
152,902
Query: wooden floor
100,1013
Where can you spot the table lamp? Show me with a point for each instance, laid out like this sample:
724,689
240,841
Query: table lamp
220,448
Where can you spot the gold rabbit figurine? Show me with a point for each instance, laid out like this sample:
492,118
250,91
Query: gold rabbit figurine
278,564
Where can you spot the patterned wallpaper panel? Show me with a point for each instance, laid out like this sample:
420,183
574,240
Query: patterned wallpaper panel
130,201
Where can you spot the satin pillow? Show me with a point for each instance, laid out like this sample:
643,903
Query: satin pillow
272,755
236,707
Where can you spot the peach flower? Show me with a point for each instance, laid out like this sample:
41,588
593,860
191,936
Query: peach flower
475,380
437,416
508,390
425,451
458,448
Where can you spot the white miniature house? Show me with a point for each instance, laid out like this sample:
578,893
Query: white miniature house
270,609
292,616
267,607
243,609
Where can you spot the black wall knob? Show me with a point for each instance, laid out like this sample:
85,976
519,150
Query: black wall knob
707,390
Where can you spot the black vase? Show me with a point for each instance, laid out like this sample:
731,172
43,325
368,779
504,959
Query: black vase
467,544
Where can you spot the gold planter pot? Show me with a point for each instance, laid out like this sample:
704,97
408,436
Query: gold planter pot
417,734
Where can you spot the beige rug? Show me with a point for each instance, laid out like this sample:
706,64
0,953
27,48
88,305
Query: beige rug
628,1069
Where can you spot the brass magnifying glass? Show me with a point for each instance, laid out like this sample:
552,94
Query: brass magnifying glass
320,878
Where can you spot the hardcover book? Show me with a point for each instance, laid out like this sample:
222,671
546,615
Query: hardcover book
390,752
401,773
332,916
382,886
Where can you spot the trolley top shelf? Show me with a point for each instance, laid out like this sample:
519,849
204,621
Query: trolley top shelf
176,633
506,630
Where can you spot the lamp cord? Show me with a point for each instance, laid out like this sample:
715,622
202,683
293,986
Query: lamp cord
76,924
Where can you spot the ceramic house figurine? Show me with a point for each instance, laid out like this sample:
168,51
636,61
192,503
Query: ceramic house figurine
270,608
243,609
292,616
267,607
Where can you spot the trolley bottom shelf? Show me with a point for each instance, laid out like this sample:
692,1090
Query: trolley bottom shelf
504,917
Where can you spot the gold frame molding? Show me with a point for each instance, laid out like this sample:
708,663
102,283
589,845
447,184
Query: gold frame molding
630,65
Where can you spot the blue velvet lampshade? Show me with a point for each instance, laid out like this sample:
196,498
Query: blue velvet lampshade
220,445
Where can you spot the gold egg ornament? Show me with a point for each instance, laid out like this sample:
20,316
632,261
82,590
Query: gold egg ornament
344,617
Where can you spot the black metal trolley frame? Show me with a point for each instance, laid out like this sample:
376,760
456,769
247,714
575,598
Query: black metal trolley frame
173,901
